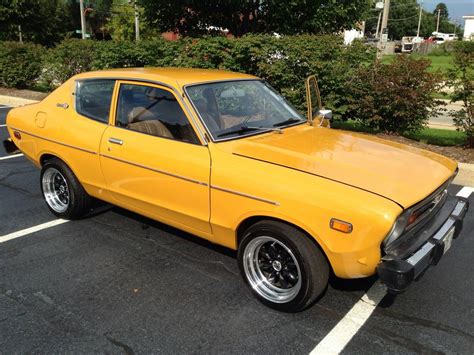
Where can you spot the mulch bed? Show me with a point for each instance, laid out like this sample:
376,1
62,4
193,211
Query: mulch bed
463,155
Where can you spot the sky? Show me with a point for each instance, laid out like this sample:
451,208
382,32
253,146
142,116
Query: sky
456,8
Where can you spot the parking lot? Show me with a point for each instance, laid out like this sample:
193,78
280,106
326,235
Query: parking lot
120,283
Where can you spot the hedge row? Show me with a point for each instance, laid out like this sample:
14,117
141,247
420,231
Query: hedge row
284,62
343,71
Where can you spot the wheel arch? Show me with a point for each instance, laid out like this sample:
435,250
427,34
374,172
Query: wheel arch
48,156
249,221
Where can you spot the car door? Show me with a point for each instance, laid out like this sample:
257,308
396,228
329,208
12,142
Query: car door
152,159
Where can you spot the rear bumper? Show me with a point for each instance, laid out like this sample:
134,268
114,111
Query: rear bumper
9,146
398,273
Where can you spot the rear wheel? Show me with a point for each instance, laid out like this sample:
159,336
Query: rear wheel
62,191
283,268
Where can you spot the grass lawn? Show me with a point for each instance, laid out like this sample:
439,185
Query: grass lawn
442,137
438,62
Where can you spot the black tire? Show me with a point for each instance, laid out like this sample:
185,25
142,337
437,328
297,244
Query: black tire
78,201
288,244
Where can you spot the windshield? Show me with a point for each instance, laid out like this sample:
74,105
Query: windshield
233,109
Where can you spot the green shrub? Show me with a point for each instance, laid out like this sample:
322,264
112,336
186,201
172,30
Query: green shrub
395,97
70,57
20,64
445,48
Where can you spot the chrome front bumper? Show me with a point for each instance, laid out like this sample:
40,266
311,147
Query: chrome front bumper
398,272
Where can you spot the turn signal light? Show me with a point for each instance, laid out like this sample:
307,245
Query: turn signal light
341,226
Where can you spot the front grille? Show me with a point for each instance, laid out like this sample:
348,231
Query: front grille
423,212
427,208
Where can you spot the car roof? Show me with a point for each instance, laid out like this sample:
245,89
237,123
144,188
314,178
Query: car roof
170,76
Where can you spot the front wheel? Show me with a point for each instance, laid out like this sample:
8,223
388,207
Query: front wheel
284,269
62,191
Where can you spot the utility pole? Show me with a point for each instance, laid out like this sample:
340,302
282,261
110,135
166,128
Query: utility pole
137,23
383,30
419,21
378,25
83,19
437,22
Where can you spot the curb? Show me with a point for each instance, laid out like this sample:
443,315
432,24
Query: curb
14,101
465,175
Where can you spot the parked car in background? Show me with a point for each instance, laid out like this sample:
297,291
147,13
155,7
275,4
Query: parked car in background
225,157
407,44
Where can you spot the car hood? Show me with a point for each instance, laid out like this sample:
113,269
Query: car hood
401,173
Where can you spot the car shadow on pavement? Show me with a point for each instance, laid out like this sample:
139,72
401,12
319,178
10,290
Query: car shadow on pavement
147,223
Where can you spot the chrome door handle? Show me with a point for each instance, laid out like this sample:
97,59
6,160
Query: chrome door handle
115,141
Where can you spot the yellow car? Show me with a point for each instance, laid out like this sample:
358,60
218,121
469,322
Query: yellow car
223,156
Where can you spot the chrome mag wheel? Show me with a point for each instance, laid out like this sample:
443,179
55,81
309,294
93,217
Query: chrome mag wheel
272,269
55,190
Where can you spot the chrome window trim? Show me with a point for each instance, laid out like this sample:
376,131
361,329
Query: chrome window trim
245,195
179,97
214,140
199,143
155,170
55,141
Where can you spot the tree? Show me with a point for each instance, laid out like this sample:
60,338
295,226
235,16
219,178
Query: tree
121,24
461,79
41,21
403,20
192,17
444,14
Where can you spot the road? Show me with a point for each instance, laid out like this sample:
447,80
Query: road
120,283
444,120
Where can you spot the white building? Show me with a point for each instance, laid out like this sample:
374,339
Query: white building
469,27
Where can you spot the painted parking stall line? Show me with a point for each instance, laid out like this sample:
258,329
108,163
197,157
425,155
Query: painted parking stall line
465,192
3,125
27,231
337,339
11,156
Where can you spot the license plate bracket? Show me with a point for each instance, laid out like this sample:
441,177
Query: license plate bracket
448,240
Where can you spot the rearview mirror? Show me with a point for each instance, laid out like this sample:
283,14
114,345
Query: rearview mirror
232,92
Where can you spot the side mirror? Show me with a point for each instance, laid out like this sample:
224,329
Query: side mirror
325,114
313,98
325,117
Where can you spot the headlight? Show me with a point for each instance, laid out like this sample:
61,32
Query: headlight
397,229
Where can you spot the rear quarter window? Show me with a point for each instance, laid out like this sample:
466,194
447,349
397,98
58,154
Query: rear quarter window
93,98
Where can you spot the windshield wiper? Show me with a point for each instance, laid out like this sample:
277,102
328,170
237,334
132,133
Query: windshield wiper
288,121
243,129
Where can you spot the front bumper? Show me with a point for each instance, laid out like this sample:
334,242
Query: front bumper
398,272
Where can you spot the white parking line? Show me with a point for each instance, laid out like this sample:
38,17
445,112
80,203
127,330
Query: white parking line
465,192
3,125
30,230
11,156
335,341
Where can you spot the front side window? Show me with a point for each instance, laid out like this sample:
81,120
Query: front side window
93,98
232,109
153,111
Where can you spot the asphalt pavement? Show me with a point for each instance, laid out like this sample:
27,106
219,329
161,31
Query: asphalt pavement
117,282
